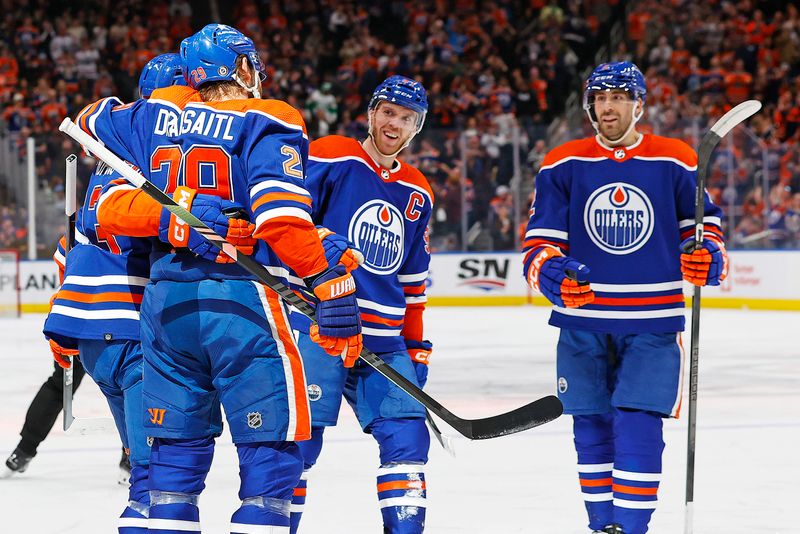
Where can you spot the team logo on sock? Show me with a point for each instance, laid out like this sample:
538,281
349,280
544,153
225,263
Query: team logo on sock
314,392
619,218
254,420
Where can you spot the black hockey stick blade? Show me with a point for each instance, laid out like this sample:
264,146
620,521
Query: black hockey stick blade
523,418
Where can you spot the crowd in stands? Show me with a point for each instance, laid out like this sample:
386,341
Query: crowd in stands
497,73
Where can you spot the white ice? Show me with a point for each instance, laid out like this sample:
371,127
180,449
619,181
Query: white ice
486,360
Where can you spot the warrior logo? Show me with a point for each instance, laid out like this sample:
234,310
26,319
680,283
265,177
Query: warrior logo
314,392
377,231
619,218
254,420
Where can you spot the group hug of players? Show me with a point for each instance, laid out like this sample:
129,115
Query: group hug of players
171,330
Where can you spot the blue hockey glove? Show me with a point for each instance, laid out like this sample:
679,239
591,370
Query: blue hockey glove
214,212
420,353
339,249
561,279
338,327
706,266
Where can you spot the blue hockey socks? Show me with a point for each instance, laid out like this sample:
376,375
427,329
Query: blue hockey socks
134,518
594,443
310,450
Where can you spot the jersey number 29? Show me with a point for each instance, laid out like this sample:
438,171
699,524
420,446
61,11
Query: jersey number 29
205,168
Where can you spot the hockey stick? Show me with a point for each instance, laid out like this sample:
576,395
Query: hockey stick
707,145
76,425
70,203
531,415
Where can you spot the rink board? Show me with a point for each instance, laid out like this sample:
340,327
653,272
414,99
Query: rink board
758,280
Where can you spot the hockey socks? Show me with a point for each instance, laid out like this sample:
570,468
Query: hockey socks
135,516
269,472
298,502
310,450
178,469
401,497
619,464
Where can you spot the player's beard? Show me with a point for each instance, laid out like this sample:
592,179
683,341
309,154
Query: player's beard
614,131
389,147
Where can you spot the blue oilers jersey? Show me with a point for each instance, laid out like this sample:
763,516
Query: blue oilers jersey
623,213
385,213
104,277
251,152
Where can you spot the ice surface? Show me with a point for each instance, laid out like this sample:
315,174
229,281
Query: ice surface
486,360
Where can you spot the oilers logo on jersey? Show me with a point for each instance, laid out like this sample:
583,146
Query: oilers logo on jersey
377,230
619,218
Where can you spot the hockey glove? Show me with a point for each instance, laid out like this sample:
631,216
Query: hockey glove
338,249
62,356
222,216
338,328
420,352
561,279
706,266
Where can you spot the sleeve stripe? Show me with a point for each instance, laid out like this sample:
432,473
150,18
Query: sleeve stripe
295,213
120,187
706,220
411,278
416,300
276,197
280,185
547,232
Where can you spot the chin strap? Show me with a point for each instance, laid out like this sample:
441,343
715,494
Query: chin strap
634,119
254,89
371,138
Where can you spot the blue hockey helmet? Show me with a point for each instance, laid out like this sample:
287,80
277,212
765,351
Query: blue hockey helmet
620,75
161,71
210,55
403,92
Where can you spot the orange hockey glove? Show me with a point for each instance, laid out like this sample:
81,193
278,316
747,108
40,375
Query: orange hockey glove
338,328
62,356
561,279
706,266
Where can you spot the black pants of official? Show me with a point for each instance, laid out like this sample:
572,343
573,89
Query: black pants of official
46,406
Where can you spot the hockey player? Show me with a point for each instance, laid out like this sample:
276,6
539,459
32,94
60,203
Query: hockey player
380,206
210,333
96,311
610,219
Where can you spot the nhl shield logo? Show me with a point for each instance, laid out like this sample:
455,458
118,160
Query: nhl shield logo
619,153
619,218
254,420
384,174
314,392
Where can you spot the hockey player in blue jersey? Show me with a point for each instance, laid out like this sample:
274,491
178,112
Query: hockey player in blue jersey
610,219
380,206
96,311
212,334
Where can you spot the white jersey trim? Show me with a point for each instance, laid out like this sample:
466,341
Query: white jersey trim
411,278
416,300
106,280
266,184
690,222
95,314
547,232
371,305
638,288
111,191
132,522
282,212
603,314
367,331
665,158
401,469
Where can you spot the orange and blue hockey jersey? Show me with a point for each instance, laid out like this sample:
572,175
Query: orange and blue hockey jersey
385,213
623,212
104,278
251,152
